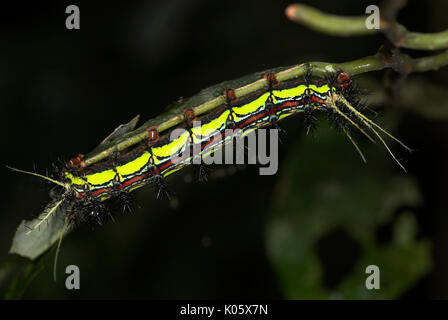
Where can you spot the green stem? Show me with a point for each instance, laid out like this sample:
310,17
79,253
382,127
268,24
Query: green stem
351,26
431,62
213,97
328,23
427,41
216,98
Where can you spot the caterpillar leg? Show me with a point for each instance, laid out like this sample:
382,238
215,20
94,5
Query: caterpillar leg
201,172
162,191
126,199
309,120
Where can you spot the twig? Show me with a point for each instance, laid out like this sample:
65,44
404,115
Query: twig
379,61
352,26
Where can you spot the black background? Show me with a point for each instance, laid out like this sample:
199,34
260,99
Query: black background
62,92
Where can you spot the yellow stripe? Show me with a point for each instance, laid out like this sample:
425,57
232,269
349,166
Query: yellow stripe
100,178
173,171
211,127
282,116
290,93
170,148
136,186
134,165
74,180
251,106
322,89
106,176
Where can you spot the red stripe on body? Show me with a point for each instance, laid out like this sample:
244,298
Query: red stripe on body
166,165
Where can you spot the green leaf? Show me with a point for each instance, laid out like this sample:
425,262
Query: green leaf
31,243
23,279
324,187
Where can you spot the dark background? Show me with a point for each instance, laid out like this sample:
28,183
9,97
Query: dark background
62,92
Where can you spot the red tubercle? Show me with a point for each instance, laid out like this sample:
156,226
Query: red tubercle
77,161
271,78
230,94
189,116
153,135
343,80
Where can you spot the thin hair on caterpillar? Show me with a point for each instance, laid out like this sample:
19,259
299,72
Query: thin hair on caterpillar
337,95
81,198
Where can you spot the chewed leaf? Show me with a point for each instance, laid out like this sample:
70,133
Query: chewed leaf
31,243
121,130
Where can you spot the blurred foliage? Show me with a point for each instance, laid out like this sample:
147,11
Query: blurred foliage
17,275
325,189
425,98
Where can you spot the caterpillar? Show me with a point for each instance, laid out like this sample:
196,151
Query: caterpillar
86,185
